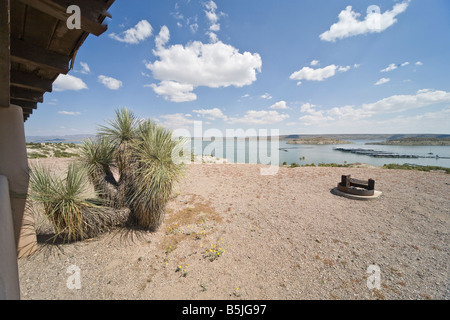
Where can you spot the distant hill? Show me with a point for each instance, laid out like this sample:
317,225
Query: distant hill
442,140
317,140
363,136
381,137
66,138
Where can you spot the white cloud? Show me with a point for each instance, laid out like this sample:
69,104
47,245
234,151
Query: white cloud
67,82
280,105
212,65
141,31
390,105
399,103
382,81
212,37
194,27
312,116
391,67
213,19
211,114
162,38
344,69
349,24
260,117
419,63
405,64
266,96
85,68
110,83
314,63
311,74
320,74
175,121
174,91
69,113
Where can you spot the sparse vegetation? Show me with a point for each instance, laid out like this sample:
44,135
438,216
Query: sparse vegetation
415,167
48,150
337,165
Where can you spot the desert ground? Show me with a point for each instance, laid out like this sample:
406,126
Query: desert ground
232,233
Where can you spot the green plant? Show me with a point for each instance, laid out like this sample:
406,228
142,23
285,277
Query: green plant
64,203
98,157
120,132
415,167
62,199
215,251
36,155
142,152
62,154
154,173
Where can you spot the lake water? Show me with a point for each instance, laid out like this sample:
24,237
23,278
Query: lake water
245,151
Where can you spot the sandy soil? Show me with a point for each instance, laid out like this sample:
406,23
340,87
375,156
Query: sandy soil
284,236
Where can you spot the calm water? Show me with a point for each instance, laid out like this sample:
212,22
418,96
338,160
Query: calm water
241,151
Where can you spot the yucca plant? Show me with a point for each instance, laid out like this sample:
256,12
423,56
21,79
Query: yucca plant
62,199
154,173
65,206
98,158
121,131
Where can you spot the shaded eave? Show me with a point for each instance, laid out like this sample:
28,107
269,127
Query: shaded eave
41,47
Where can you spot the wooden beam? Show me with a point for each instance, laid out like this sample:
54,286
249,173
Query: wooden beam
30,81
91,10
27,111
5,60
26,95
24,104
27,53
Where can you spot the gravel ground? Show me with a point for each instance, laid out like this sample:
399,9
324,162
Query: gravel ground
232,233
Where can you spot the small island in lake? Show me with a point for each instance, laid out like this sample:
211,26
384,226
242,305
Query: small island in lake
415,141
317,141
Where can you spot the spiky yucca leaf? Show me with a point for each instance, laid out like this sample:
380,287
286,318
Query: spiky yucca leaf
62,199
122,127
122,131
98,157
154,173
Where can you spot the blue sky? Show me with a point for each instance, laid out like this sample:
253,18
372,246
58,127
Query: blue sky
306,67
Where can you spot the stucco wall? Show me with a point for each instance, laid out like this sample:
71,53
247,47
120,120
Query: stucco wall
14,165
9,279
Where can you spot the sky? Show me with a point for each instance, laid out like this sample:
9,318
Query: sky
286,66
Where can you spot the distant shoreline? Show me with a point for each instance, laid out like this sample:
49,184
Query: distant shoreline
369,137
414,142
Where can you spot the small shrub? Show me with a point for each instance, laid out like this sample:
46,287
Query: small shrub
415,167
